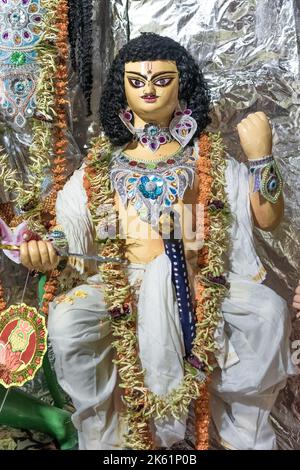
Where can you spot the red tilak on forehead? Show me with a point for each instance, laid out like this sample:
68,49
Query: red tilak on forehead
149,67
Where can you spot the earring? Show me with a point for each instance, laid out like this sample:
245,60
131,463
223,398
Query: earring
126,117
183,126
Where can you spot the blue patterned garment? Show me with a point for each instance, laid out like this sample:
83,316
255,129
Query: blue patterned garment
21,30
175,251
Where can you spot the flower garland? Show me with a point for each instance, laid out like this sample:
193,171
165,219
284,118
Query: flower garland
2,300
6,211
118,294
60,141
210,281
60,99
211,285
141,403
41,148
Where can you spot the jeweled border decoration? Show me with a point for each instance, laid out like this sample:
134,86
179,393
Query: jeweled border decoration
37,322
21,30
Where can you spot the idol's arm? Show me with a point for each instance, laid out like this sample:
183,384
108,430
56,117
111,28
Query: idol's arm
265,214
256,140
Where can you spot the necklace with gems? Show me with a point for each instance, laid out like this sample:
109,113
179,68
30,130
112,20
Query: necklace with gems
153,136
152,185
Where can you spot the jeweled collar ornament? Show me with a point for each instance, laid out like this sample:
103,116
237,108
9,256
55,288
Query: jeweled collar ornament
21,30
152,186
181,128
151,136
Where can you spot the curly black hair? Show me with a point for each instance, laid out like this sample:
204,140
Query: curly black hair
81,42
193,90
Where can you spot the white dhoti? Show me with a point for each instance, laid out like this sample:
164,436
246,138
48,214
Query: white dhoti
256,323
255,354
258,326
81,337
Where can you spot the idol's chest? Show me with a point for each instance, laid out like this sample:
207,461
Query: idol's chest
152,187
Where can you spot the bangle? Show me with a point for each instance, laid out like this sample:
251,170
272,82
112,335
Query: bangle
59,241
267,178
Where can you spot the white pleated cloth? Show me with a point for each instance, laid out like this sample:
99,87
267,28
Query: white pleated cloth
160,339
81,337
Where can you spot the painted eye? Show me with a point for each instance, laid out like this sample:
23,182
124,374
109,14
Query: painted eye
136,83
163,81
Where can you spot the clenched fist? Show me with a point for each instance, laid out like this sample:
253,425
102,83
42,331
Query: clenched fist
255,136
38,255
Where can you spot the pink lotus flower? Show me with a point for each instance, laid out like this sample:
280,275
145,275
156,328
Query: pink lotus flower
8,359
10,237
15,237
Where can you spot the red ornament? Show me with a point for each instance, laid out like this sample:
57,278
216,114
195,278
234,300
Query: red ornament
23,343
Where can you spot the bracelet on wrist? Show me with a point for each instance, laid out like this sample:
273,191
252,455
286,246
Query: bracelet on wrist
267,178
59,241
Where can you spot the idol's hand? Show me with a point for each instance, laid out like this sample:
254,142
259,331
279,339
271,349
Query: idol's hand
255,135
296,300
38,256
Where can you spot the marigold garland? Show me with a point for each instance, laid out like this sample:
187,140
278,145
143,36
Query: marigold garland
60,142
209,290
141,402
2,300
6,211
202,413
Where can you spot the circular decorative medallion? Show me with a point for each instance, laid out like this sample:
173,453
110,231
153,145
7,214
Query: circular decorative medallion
23,343
17,18
20,23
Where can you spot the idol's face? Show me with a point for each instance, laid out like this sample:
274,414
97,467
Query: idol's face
151,90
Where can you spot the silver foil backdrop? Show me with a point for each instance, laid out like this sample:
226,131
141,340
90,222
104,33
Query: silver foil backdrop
249,53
